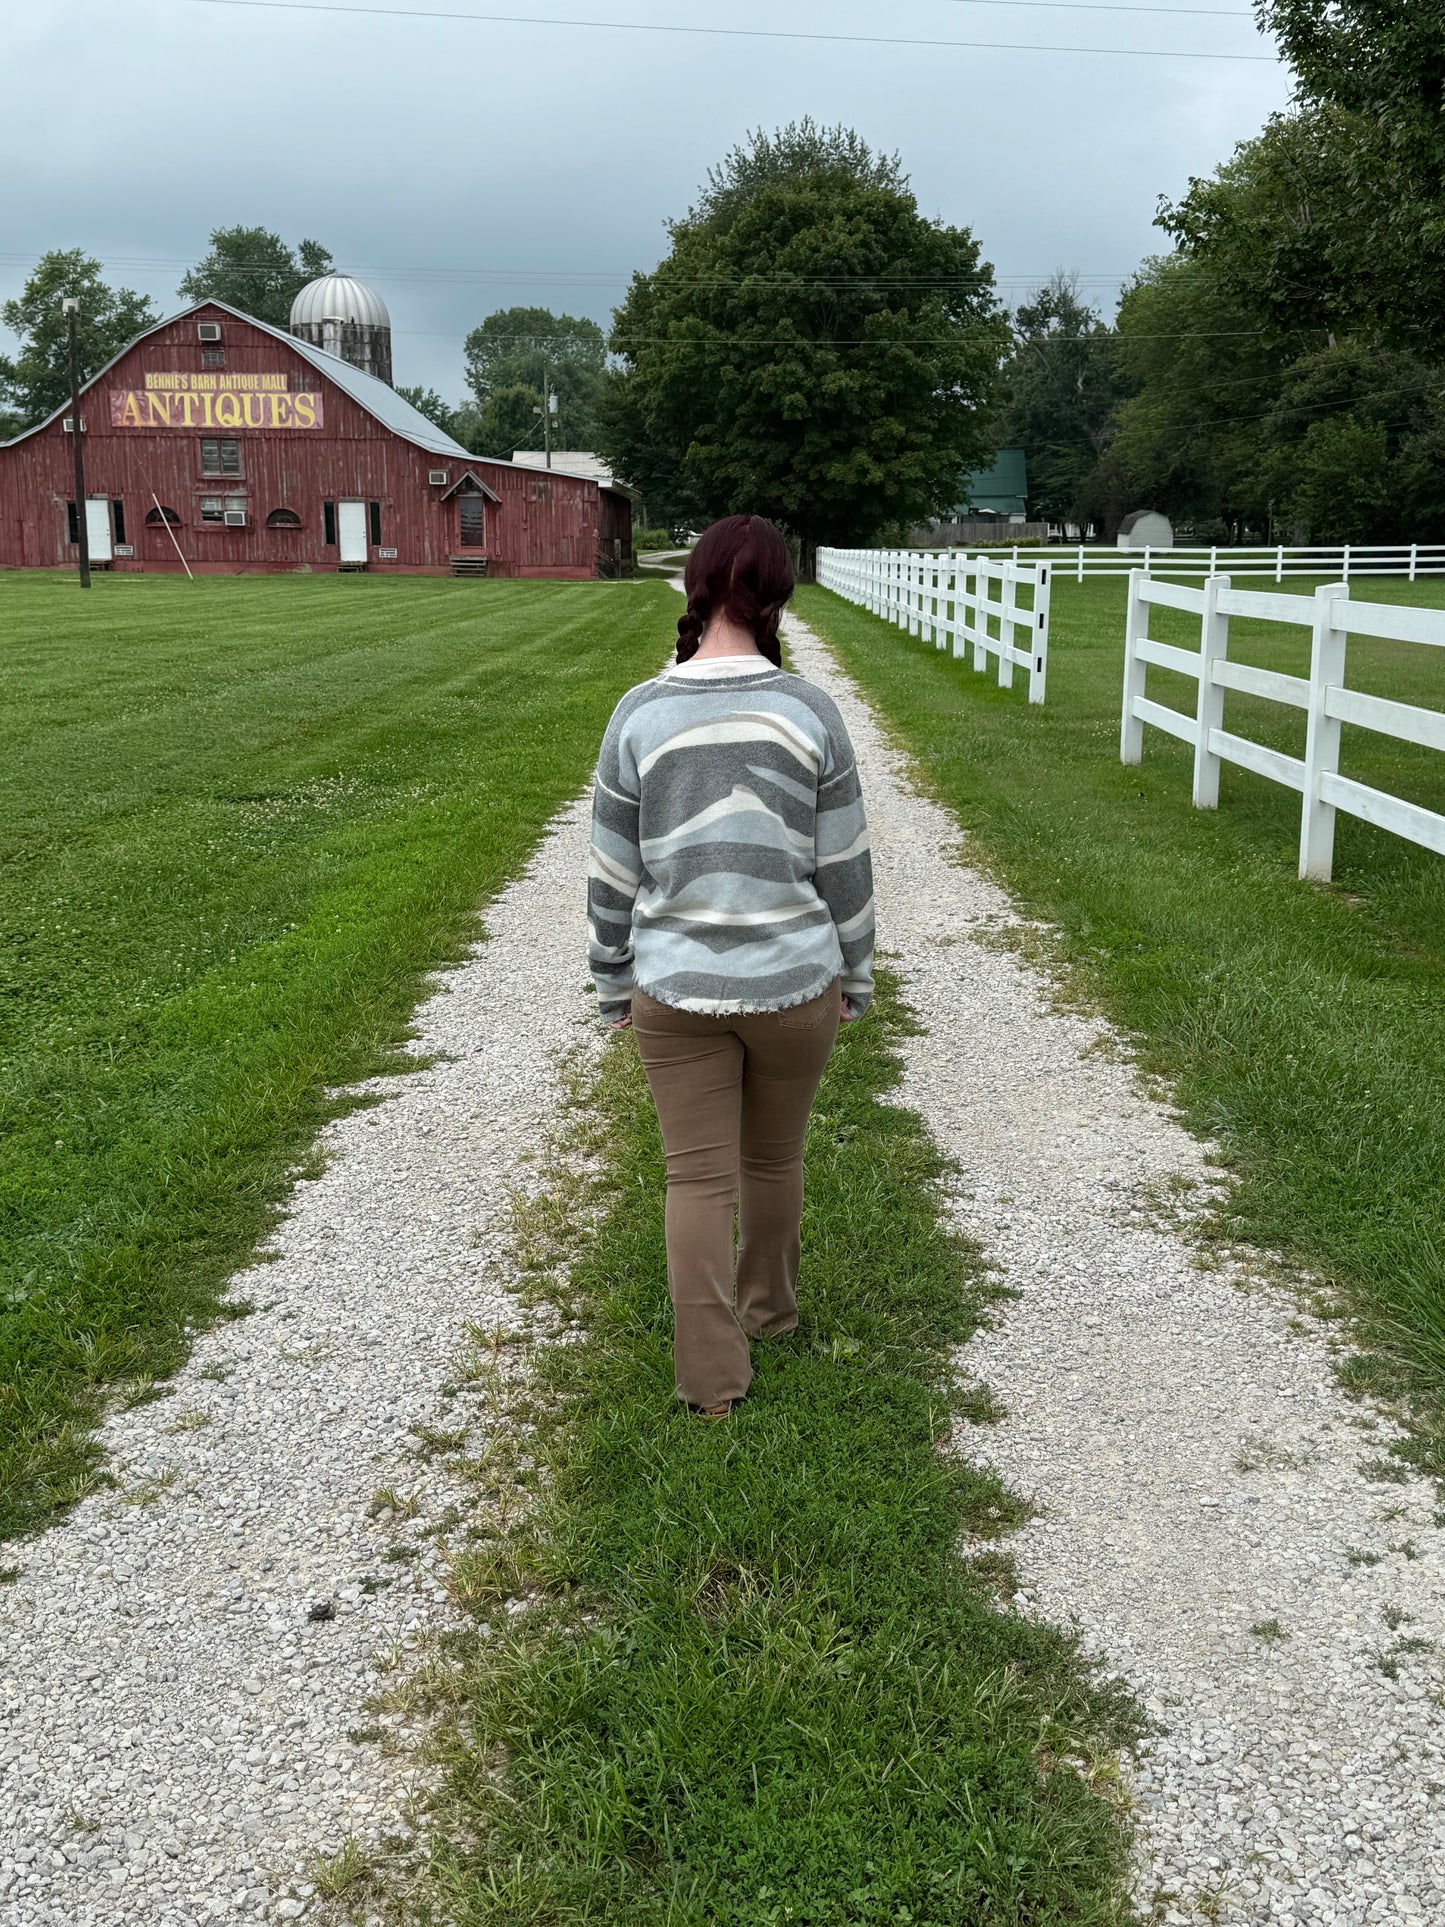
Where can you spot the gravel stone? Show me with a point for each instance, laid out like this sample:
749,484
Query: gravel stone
180,1677
1198,1471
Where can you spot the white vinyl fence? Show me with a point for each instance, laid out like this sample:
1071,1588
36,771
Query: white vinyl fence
1342,561
952,598
1332,618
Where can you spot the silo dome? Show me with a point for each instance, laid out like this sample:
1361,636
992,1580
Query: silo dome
346,318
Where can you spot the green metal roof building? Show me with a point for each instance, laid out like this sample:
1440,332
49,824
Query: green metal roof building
1001,489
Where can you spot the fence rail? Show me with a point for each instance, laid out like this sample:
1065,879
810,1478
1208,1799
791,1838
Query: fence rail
1342,561
1332,618
948,597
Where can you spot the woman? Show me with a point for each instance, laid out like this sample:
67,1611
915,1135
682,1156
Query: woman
731,910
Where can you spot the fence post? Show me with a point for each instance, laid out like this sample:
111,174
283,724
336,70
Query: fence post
1322,740
1213,647
1008,610
1040,640
1213,560
959,565
1347,562
980,610
1081,562
1414,553
1279,564
1136,627
1147,553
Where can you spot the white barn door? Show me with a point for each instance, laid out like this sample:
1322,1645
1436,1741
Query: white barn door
351,530
97,528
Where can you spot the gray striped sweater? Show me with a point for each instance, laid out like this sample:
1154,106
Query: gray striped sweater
730,868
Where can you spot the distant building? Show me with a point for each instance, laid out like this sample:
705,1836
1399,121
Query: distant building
244,449
1000,489
1146,529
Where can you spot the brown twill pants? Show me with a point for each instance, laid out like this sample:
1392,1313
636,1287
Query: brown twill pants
733,1096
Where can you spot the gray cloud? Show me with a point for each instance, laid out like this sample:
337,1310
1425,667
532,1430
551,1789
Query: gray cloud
461,167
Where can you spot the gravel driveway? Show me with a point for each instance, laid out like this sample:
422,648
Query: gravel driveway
183,1669
178,1733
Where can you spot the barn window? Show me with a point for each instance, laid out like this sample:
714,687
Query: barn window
213,357
117,516
283,519
374,509
157,518
328,524
213,508
220,456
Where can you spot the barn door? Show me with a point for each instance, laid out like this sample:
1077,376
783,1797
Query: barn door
97,527
351,530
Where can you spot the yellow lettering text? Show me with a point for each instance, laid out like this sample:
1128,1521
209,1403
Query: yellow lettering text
305,410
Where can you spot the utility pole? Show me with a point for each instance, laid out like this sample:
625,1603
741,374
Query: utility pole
82,527
547,412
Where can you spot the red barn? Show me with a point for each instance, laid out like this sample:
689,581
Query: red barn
224,441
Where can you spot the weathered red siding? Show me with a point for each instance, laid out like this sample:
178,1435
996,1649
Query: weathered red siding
543,524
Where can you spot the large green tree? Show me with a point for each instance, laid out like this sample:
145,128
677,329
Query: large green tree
512,356
36,379
812,348
1335,215
252,269
1063,382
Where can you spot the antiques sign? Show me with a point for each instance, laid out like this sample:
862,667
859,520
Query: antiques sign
182,400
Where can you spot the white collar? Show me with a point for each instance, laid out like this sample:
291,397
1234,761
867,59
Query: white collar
720,666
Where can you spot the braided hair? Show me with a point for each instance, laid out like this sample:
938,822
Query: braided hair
738,569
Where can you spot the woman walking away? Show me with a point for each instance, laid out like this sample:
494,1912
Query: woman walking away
731,909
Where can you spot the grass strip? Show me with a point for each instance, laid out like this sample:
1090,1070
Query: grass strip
239,820
1302,1027
757,1681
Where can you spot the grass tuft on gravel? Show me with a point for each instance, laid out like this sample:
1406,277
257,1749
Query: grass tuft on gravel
1302,1027
756,1680
239,820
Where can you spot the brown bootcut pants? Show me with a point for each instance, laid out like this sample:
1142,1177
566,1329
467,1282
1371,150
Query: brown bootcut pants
733,1096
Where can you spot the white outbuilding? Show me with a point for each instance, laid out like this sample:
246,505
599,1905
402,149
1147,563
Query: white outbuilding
1146,529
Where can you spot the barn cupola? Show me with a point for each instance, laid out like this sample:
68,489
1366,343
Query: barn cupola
347,319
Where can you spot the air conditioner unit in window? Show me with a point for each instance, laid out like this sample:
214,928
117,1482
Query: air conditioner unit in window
209,330
235,518
438,477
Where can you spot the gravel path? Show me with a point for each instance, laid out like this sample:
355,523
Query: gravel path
177,1726
178,1732
1197,1469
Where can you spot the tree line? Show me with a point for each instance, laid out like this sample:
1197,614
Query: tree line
1279,373
814,348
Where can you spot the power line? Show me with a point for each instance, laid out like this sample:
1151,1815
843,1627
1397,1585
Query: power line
446,276
717,33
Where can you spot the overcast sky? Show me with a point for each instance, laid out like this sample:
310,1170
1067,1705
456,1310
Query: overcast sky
461,166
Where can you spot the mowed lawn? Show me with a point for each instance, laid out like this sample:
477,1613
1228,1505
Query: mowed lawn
1302,1026
239,819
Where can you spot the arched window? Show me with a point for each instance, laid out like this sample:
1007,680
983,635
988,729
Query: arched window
283,519
157,517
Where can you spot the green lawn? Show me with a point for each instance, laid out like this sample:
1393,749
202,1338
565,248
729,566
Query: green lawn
1304,1027
759,1682
238,820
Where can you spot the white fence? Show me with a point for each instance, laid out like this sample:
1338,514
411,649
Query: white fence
947,597
1332,618
1409,559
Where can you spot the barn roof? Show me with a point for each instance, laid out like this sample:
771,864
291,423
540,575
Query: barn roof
392,410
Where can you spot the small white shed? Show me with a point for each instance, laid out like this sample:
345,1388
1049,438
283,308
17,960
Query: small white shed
1146,529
